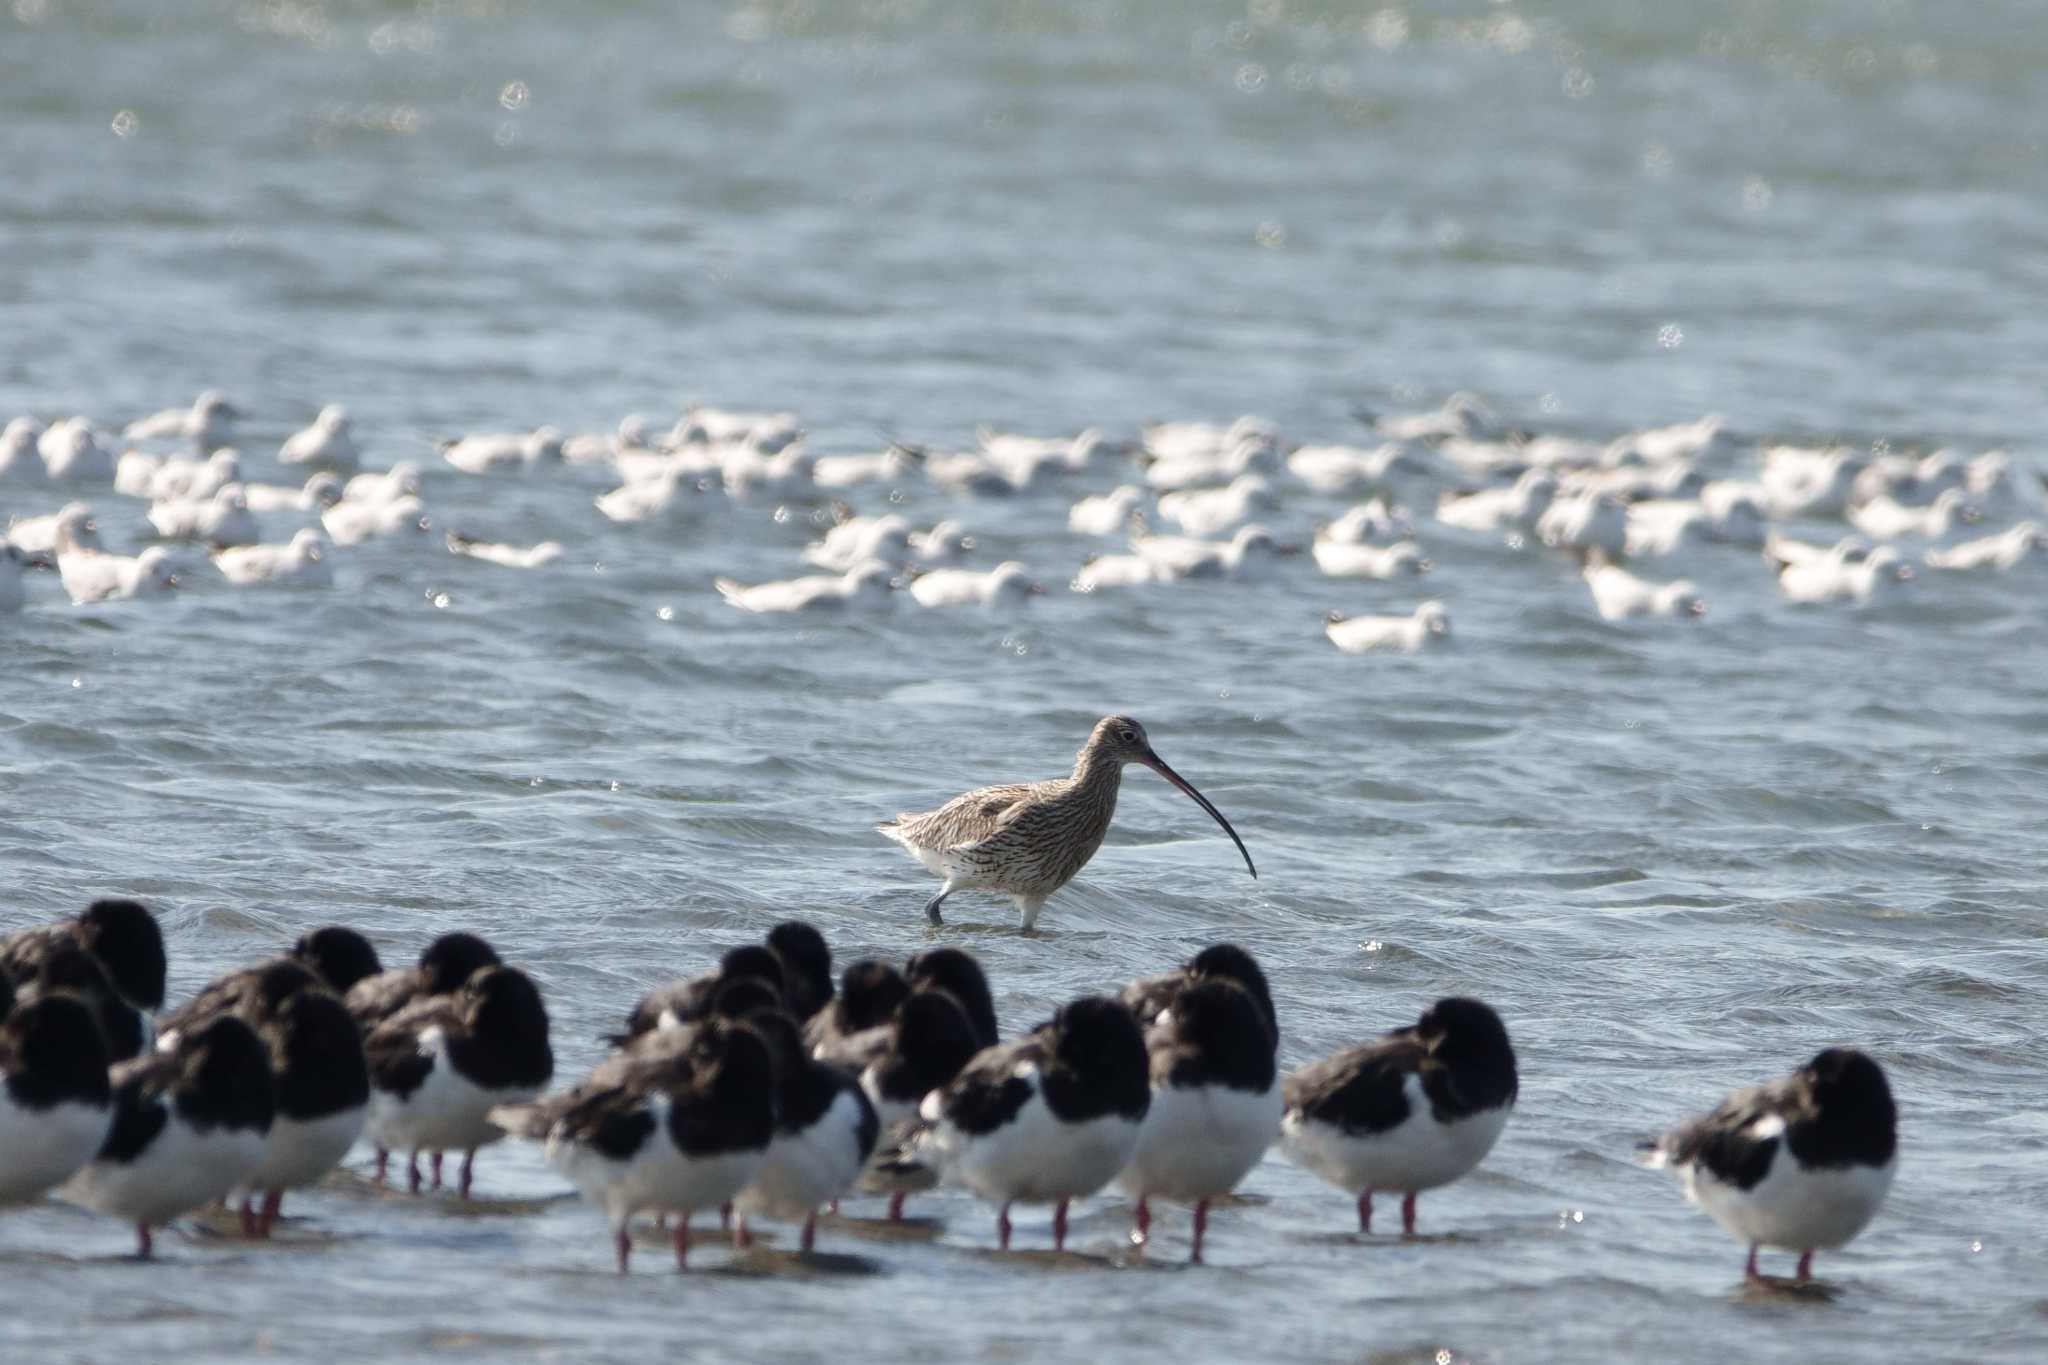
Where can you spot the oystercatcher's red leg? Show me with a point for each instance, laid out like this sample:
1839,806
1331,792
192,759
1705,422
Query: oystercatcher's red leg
383,1163
1141,1220
725,1217
435,1161
1805,1271
412,1173
1365,1212
810,1239
1059,1226
1749,1270
468,1171
896,1207
681,1238
741,1238
248,1211
1003,1228
1408,1213
266,1217
1201,1225
142,1243
622,1243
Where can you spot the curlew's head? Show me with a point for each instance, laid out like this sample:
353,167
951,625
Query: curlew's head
1121,739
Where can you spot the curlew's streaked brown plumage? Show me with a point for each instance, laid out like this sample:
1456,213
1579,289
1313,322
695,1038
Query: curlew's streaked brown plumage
1028,839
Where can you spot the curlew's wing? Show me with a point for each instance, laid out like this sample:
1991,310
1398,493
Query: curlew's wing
966,819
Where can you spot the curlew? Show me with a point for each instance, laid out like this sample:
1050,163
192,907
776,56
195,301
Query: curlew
1028,839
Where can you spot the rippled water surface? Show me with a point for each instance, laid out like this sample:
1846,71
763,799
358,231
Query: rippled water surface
1676,857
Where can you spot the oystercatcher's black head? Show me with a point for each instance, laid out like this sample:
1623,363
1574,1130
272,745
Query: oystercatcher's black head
1467,1036
743,996
55,1052
6,996
1097,1041
317,1053
1232,963
506,1014
1857,1120
225,1077
452,959
754,960
124,936
869,993
806,966
934,1038
960,976
1223,1037
340,955
279,981
69,967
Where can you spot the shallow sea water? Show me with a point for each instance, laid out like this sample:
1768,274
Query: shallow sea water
1677,858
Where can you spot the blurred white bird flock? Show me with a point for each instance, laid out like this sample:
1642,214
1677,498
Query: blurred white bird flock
1183,501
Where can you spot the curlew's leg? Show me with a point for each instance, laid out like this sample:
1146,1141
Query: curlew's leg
1365,1212
1408,1213
931,907
1805,1271
1749,1271
1030,905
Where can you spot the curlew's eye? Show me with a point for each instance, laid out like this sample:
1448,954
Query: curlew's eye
1127,735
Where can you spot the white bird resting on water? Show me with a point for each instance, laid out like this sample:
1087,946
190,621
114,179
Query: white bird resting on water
1586,521
504,452
1242,556
1368,521
1177,440
1885,518
300,564
1840,576
1659,526
670,494
1345,469
1006,585
402,480
37,537
767,432
351,522
321,489
1349,559
750,474
506,556
1462,414
328,442
1493,509
893,465
91,575
1175,472
176,478
1105,514
1389,634
2008,549
865,585
21,464
71,453
1619,594
1214,511
222,518
208,423
1801,482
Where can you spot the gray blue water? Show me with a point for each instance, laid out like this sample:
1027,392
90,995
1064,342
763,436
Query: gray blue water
1677,858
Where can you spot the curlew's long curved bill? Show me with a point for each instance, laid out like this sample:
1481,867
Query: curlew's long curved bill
1158,765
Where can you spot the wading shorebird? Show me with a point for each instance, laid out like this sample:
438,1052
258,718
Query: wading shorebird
1028,839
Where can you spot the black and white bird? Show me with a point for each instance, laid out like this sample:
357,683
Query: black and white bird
123,938
55,1100
323,1097
60,965
924,1046
959,975
825,1131
1049,1118
1802,1162
1215,1101
438,1068
189,1126
339,955
1412,1111
806,967
688,1000
1150,996
246,990
869,992
679,1121
444,965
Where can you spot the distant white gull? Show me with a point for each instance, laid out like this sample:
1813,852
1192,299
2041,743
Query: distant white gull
1347,559
1213,511
221,518
208,423
321,489
1619,594
97,576
351,522
328,442
1368,521
37,537
507,556
1587,521
1105,514
71,454
1885,518
1242,556
866,585
1838,578
402,480
21,464
1394,634
886,538
2006,550
1346,469
1006,585
1493,509
302,563
504,452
